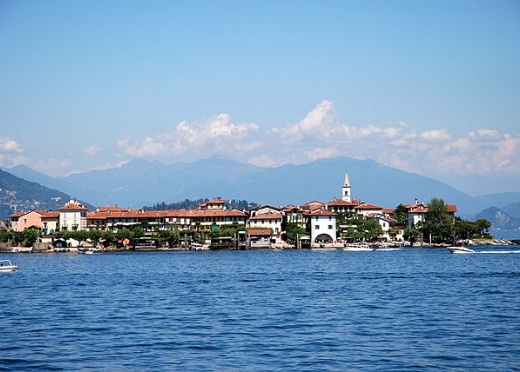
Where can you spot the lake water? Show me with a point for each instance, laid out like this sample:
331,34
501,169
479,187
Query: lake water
414,309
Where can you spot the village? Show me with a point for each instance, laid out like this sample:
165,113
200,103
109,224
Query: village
311,225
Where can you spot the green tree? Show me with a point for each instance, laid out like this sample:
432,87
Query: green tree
293,231
439,223
411,234
393,232
97,235
28,237
5,236
483,225
362,230
399,215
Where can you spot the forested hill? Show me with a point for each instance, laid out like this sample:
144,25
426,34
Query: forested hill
193,204
17,194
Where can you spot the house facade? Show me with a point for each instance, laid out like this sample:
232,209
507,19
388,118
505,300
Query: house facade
271,221
322,226
46,221
73,216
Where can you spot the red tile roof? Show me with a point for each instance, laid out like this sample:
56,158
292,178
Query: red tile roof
259,232
267,216
343,203
180,213
366,206
42,213
322,212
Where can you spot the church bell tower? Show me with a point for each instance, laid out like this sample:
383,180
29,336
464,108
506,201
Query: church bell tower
345,190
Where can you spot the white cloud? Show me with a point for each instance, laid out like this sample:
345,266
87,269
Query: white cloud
320,134
437,135
321,153
215,135
263,161
8,145
93,149
52,166
11,153
318,123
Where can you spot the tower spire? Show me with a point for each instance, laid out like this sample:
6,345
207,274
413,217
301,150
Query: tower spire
345,190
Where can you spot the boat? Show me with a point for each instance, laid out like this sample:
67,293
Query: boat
89,251
7,266
388,249
197,247
22,250
357,247
460,249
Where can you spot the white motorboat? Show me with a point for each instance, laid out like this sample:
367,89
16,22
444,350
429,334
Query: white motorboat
357,247
89,251
460,249
6,266
22,250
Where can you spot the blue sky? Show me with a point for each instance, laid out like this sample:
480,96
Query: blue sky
431,87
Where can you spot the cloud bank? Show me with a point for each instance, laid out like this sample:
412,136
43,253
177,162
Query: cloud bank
319,134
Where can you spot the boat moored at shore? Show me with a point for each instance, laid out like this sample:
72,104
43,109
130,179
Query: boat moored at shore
358,247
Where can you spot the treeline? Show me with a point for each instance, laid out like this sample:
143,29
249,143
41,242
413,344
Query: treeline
193,204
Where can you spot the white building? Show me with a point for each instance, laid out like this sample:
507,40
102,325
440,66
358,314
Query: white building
271,221
322,226
73,216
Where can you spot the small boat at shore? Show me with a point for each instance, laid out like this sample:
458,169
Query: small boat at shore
89,251
22,250
357,247
7,266
460,249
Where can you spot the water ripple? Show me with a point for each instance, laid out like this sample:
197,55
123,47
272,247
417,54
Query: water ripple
249,311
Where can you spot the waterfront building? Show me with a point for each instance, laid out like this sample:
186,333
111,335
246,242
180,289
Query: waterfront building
271,221
386,224
46,221
322,226
293,214
259,238
365,209
417,212
343,206
73,216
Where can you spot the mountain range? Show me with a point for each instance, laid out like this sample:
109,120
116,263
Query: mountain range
143,183
17,194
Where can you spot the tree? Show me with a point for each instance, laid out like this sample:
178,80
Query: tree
5,235
28,237
483,225
439,223
364,230
399,214
293,231
97,235
393,232
411,234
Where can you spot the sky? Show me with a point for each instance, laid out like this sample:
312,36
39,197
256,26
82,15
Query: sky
429,87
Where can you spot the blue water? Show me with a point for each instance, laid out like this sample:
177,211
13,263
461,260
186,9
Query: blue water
415,309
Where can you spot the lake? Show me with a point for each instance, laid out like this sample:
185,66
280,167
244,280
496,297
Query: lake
413,309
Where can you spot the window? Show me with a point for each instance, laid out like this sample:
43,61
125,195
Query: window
317,227
330,227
